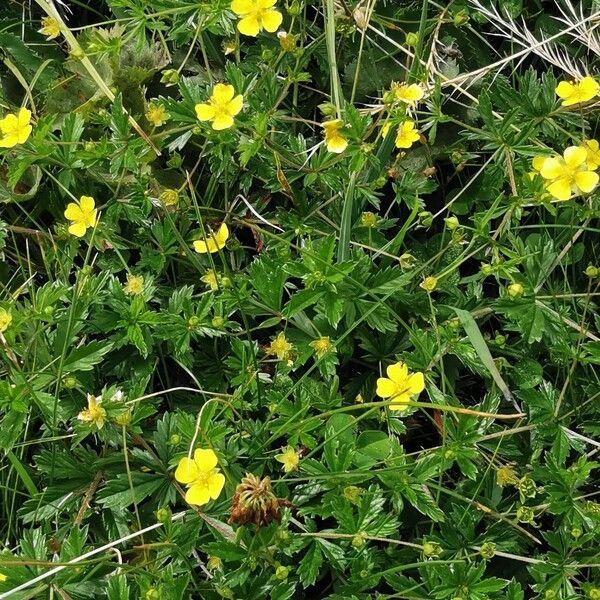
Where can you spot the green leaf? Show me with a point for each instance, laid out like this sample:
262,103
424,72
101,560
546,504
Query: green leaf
85,358
310,565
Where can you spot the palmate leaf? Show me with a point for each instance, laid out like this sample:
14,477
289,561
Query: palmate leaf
117,495
310,565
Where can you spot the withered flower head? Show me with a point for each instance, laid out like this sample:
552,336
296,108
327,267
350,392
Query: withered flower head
255,502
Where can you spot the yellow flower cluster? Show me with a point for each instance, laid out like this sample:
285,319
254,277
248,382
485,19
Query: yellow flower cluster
571,174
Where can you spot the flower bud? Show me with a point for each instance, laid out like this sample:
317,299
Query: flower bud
431,549
368,219
359,540
592,271
282,572
515,290
174,439
163,515
488,550
407,260
69,383
425,218
294,9
169,77
429,283
412,39
451,223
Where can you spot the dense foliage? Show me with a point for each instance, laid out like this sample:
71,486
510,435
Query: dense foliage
299,300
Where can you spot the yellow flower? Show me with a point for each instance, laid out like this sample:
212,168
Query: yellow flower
221,107
256,16
156,114
289,458
407,135
280,346
3,577
211,279
15,129
82,214
593,154
400,385
214,241
94,413
429,283
574,92
134,285
50,28
5,319
321,345
334,139
409,94
201,476
569,174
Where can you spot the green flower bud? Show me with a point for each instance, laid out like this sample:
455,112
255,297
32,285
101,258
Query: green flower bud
152,594
163,515
169,77
452,223
425,218
359,540
193,322
412,39
431,549
294,9
407,260
576,532
527,487
218,322
69,383
488,550
592,271
486,269
525,514
175,161
282,572
174,440
500,340
461,18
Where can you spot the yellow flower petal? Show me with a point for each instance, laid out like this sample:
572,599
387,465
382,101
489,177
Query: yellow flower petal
87,204
400,402
386,387
215,484
564,89
586,180
77,229
265,3
205,112
588,88
242,7
187,471
222,93
271,20
198,494
205,460
560,189
73,212
552,168
538,162
249,26
222,235
222,121
397,372
337,144
575,156
416,383
234,107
